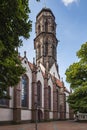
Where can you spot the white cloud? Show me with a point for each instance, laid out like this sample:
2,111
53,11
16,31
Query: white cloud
68,2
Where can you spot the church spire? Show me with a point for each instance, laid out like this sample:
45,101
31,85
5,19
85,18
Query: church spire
45,42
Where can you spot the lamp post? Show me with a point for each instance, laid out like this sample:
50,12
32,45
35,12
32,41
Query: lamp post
36,113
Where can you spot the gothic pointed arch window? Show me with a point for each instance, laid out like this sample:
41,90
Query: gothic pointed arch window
24,91
39,29
49,97
46,49
46,26
39,93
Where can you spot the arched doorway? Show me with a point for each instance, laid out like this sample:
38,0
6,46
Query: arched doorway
40,115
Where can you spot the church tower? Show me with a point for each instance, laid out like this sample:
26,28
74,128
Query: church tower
46,42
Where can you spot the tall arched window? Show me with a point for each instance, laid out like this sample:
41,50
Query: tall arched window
24,93
46,49
39,93
46,26
39,29
49,97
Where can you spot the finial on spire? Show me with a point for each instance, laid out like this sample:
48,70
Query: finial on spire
25,54
33,60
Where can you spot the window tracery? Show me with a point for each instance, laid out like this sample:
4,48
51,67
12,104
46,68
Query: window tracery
49,97
39,93
24,91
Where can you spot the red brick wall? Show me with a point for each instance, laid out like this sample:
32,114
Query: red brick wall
62,106
55,110
17,104
34,93
46,110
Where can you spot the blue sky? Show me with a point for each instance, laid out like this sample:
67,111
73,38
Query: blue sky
71,20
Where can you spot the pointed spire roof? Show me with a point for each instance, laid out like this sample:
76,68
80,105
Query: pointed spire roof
45,10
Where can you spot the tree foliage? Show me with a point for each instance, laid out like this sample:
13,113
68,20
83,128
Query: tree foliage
14,24
78,99
76,75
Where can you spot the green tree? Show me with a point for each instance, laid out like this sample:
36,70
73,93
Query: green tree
76,75
14,24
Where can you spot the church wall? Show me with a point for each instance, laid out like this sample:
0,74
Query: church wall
62,105
25,115
11,105
29,74
6,114
50,115
67,107
41,79
54,70
42,68
51,85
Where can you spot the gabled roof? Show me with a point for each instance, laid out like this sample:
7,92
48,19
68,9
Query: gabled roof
59,83
43,74
21,58
54,70
31,65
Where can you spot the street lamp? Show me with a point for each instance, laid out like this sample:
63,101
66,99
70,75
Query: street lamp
36,113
